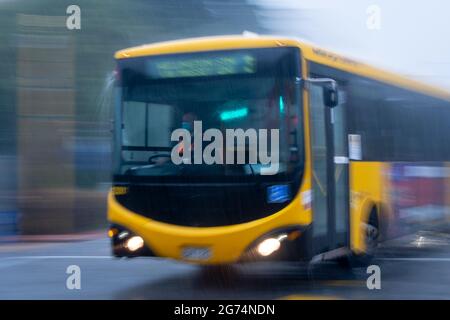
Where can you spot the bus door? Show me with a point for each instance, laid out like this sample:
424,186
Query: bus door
329,171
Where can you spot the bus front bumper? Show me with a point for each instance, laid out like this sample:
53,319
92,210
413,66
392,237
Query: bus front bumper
281,236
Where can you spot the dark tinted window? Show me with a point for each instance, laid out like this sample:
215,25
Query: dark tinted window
395,124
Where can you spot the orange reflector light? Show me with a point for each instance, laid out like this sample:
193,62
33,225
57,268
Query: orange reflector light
294,235
112,232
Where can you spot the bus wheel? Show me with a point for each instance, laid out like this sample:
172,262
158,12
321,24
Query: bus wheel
372,233
371,239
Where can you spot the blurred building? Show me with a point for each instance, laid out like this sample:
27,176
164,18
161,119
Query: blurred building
45,89
55,87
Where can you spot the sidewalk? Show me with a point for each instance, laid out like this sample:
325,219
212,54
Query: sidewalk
83,236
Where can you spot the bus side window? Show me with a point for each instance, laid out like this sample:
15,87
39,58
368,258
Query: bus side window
133,123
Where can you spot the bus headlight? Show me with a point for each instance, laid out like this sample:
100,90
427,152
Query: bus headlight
134,243
268,246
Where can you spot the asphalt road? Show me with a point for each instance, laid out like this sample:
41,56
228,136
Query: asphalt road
417,268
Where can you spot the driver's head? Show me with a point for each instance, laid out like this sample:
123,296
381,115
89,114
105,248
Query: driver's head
188,121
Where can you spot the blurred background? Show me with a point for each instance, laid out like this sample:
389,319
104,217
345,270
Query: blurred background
55,99
55,82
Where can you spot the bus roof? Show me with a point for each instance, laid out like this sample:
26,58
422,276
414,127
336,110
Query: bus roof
310,52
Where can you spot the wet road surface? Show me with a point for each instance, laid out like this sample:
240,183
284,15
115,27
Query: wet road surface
419,268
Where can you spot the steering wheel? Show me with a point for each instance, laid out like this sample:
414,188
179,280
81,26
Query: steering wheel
158,155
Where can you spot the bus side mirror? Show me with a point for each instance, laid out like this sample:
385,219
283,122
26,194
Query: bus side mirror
329,89
330,95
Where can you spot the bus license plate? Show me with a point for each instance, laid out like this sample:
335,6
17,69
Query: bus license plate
196,253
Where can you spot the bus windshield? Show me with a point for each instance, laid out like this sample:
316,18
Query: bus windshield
210,114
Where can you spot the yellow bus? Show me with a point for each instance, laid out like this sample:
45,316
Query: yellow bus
361,157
